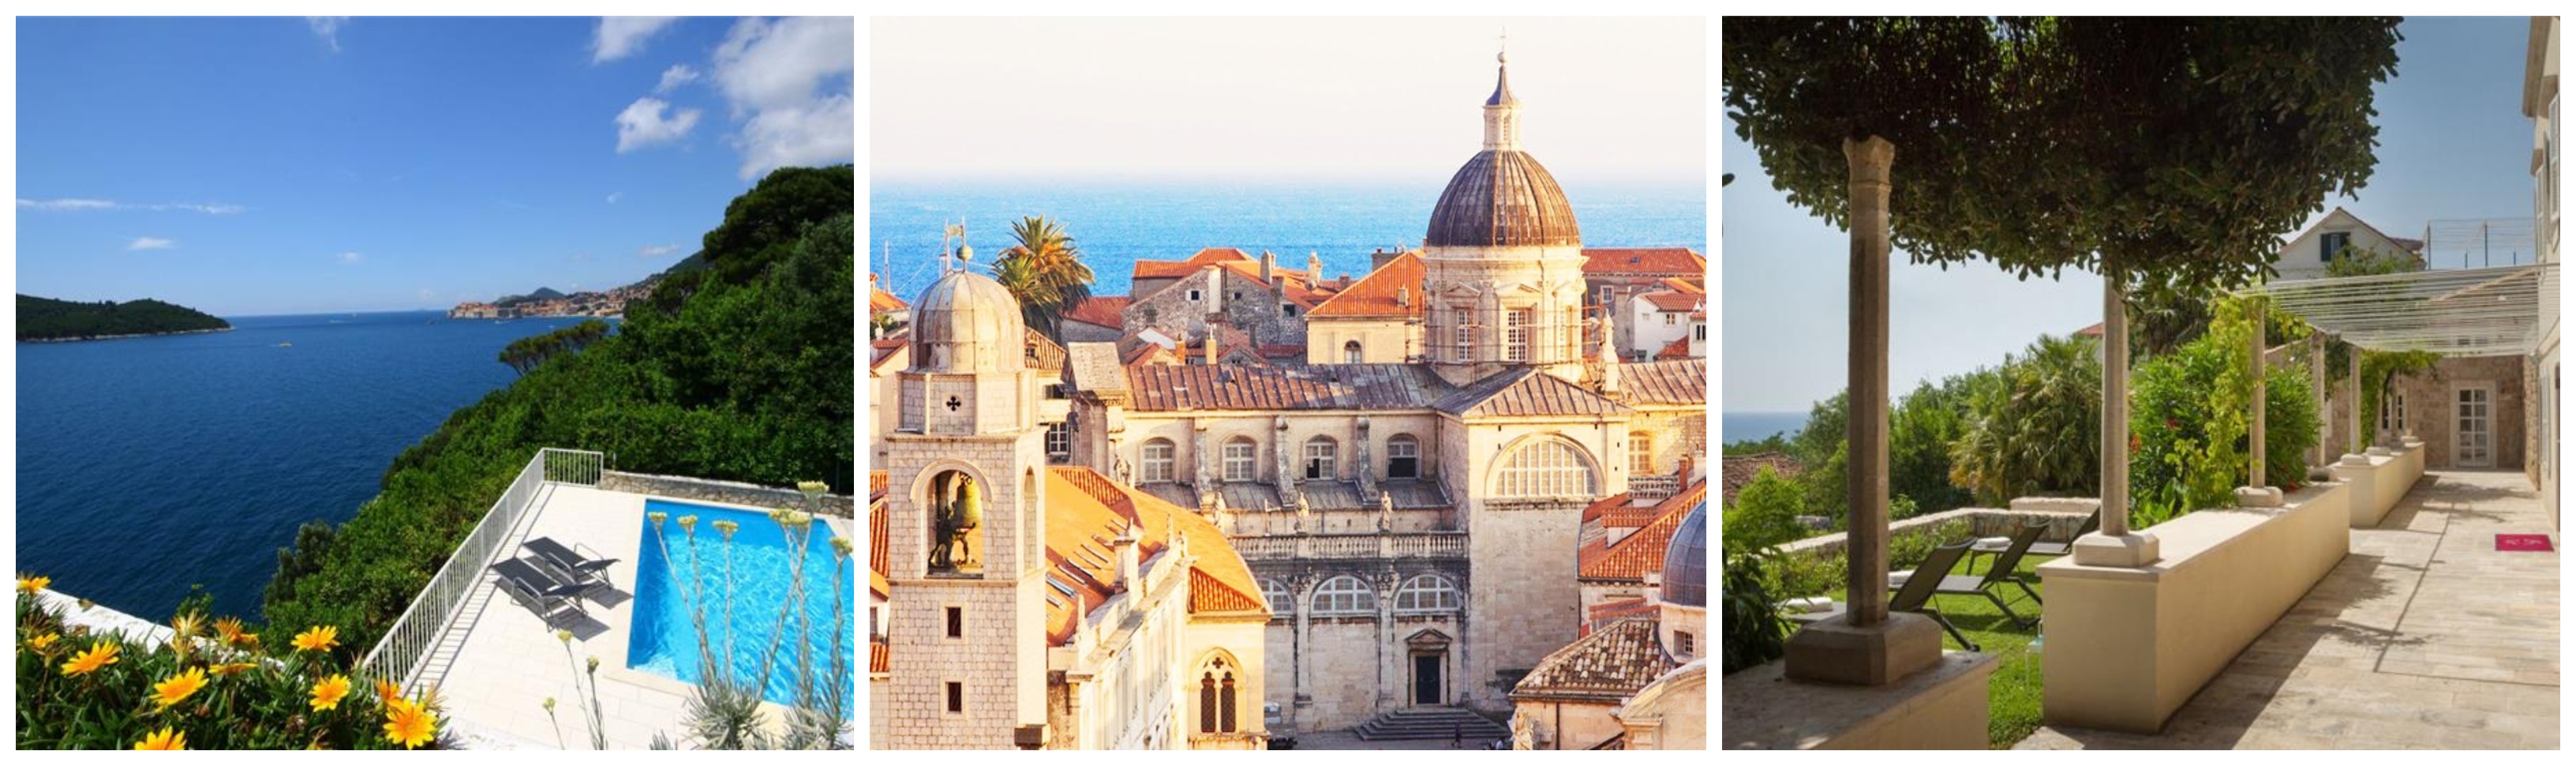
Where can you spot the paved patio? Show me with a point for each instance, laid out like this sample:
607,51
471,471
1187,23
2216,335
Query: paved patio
2425,636
499,662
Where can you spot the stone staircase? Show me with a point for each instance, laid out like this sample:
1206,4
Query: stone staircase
1432,723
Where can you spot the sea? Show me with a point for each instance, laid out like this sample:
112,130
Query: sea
1117,224
1756,426
148,465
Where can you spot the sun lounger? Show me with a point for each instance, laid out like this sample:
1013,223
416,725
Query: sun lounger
2019,544
588,570
1915,593
531,586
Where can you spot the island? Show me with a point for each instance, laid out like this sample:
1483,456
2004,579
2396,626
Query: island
50,320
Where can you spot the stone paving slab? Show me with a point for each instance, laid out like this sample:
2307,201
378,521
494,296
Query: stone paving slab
2425,637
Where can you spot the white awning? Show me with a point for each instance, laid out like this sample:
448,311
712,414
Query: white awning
2455,312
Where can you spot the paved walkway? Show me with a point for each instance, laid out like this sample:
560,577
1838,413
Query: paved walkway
2425,636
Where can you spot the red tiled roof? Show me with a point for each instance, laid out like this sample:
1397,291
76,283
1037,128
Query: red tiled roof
1669,381
1183,268
1602,507
1292,284
1606,666
1651,261
1678,349
1674,300
2093,330
881,301
1684,284
1333,387
1291,351
883,349
879,660
1602,614
1740,470
1086,510
1102,310
1526,392
1641,551
1375,295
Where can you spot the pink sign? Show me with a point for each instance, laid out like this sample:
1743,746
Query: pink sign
2523,543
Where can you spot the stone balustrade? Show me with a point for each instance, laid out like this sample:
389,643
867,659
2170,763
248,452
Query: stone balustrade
1415,546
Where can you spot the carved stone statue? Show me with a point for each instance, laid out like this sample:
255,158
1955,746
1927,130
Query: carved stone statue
1385,512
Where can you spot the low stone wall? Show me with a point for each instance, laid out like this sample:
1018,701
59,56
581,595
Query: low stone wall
713,491
2127,647
2378,479
1939,708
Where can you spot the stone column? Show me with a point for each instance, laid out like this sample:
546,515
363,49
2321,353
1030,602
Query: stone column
2352,365
2115,545
1305,644
2323,453
1389,678
1869,645
2257,493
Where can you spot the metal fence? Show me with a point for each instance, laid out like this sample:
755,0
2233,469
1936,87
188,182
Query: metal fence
397,656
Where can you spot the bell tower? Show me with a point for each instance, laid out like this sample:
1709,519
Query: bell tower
966,527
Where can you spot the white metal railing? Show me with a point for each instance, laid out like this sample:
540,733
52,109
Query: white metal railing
397,656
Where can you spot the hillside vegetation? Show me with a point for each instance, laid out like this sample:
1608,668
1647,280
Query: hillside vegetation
739,371
50,319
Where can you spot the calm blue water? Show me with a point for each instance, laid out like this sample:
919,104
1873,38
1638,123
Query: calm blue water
149,464
1115,225
1756,426
665,640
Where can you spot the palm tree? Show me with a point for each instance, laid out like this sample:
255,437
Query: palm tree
1045,272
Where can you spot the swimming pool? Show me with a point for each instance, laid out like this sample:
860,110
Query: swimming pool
665,639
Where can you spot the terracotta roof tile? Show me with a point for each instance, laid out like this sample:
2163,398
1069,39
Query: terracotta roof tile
1601,615
1670,381
879,660
1678,349
1375,295
1284,387
1102,310
1641,551
1602,507
1085,508
1525,392
1646,261
1606,666
881,301
1674,300
1183,268
882,350
1740,470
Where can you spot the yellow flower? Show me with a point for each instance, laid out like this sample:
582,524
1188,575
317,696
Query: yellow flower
320,639
175,688
387,692
328,691
230,668
29,584
43,642
408,725
228,629
250,640
99,655
165,739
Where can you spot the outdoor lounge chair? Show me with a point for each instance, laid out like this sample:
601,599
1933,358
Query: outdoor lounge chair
2091,525
1996,575
588,570
1915,593
531,586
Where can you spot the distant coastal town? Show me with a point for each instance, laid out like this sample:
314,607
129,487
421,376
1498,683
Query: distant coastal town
546,302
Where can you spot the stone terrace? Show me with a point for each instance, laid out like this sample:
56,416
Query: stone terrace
2425,636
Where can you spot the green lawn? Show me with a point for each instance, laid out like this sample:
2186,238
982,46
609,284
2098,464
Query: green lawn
2013,693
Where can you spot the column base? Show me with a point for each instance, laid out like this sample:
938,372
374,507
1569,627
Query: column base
2258,497
2129,551
1836,652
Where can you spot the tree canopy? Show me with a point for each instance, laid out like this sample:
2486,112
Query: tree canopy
2183,148
50,319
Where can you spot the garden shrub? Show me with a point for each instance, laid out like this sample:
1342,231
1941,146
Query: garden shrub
2035,426
2188,422
1765,513
1754,631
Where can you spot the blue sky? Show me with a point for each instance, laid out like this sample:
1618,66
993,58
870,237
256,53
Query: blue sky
291,165
2452,144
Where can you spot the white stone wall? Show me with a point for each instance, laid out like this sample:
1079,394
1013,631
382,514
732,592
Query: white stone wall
1388,341
1341,426
1650,330
1485,281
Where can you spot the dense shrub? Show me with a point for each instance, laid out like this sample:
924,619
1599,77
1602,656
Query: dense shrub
1754,632
2034,427
2189,420
1765,512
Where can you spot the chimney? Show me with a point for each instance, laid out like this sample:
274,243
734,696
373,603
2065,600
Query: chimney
1209,345
1268,262
1379,257
1126,547
1216,291
1314,268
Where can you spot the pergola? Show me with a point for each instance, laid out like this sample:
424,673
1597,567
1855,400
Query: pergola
2489,311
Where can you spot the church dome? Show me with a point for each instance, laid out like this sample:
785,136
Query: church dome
966,322
1686,560
1503,198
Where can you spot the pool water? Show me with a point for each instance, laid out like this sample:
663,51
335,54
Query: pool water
665,639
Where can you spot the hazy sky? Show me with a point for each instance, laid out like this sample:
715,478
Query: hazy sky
2452,144
289,165
1254,99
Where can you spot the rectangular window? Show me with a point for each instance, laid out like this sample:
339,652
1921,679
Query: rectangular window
1401,459
1462,332
1239,461
1700,332
956,622
1684,644
1319,459
1059,442
1158,461
956,697
1516,335
1194,296
1608,294
1671,318
2330,243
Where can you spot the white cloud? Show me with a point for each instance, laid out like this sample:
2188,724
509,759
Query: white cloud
152,243
612,197
327,28
790,79
649,251
620,36
642,124
676,76
351,258
78,204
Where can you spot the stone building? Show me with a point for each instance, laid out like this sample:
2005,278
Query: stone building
1221,287
1014,604
2470,411
1670,317
1614,275
1639,681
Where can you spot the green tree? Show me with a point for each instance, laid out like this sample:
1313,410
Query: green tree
1919,434
2036,429
1766,512
1045,271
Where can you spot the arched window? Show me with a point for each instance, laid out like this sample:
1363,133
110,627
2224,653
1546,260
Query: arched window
1351,352
1322,457
1239,461
1344,595
1158,460
1403,457
1545,468
1217,698
956,503
1281,604
1426,593
1641,453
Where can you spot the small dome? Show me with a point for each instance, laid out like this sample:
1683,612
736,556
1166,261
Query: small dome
1503,198
966,322
1686,560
